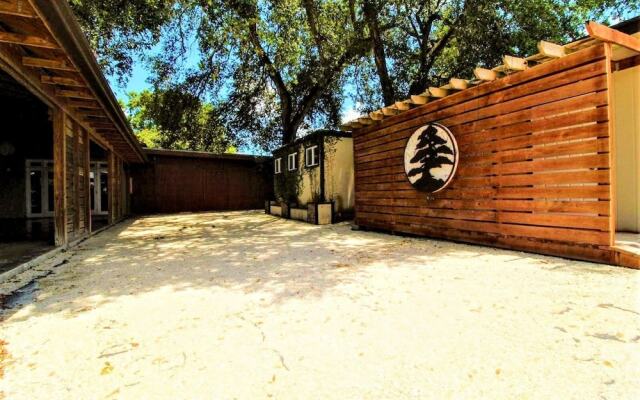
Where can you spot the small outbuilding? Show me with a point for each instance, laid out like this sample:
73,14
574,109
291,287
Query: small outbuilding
540,154
314,178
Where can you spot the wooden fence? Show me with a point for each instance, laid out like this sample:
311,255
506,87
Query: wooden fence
535,167
177,181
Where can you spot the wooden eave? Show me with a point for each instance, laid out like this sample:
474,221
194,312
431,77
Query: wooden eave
43,48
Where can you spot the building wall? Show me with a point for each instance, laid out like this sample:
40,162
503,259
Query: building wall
175,184
339,174
627,131
26,133
534,170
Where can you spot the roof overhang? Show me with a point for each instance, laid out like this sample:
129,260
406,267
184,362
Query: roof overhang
43,47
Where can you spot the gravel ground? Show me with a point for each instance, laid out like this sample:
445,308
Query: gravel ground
244,305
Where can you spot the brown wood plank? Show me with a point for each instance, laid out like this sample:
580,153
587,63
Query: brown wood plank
539,232
54,64
19,8
542,206
591,222
27,40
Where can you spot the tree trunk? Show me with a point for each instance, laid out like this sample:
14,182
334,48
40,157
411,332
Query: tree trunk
377,45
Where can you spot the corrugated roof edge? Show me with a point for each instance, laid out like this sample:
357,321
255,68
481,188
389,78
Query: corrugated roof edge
66,29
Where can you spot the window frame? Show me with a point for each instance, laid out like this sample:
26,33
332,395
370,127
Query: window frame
45,167
293,156
315,157
277,166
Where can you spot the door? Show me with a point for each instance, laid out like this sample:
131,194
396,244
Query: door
626,84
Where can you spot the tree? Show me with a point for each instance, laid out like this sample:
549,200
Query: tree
274,67
430,41
191,124
431,152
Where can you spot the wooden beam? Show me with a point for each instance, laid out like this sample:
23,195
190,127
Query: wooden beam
47,63
402,105
94,114
365,121
606,34
19,8
376,115
388,111
84,104
551,50
458,84
27,40
514,63
59,80
419,99
76,94
438,92
98,125
59,177
484,74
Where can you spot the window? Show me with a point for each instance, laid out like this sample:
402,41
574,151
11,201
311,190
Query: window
99,186
292,161
39,185
278,165
311,156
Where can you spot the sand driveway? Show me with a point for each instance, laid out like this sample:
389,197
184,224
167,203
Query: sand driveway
242,305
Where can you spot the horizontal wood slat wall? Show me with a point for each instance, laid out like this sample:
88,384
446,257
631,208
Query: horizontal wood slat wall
534,171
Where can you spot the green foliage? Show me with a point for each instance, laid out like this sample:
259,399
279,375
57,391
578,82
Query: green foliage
429,41
272,68
176,120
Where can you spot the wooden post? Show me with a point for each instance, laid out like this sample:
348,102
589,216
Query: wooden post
87,183
76,179
59,177
608,51
111,185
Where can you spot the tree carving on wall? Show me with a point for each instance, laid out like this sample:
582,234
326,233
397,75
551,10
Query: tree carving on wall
431,152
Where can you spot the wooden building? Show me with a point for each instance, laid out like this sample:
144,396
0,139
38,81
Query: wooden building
65,144
313,178
539,154
178,181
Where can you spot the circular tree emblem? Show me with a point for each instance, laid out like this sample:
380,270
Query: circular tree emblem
431,158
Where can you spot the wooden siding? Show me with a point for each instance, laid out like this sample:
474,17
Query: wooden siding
534,163
176,184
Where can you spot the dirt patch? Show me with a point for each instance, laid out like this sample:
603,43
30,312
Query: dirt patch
245,305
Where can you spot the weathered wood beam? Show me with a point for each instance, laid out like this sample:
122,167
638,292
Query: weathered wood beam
99,125
458,84
484,74
27,40
76,94
606,34
89,113
514,63
551,50
438,92
83,104
365,121
47,63
19,8
59,80
376,115
402,105
389,111
419,99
